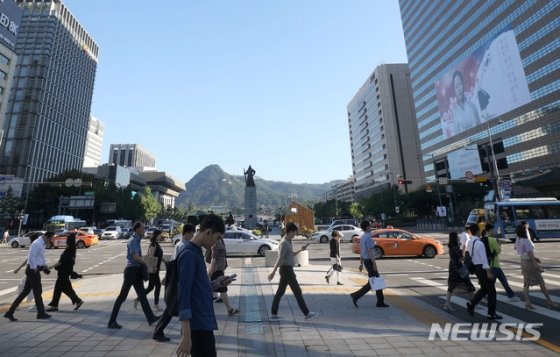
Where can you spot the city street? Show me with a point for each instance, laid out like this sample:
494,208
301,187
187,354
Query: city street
416,287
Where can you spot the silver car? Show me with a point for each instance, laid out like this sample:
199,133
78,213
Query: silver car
245,243
23,240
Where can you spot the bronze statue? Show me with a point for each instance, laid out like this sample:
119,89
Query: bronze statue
249,181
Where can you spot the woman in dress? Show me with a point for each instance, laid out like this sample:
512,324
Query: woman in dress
530,268
455,263
65,267
217,268
336,263
154,283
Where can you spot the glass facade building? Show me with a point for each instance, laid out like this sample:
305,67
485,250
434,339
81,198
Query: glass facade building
485,80
48,112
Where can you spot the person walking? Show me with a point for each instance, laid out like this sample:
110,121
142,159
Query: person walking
187,235
484,274
367,253
35,264
133,277
65,267
286,264
494,249
336,262
455,278
155,255
6,236
218,266
465,237
196,310
21,285
530,268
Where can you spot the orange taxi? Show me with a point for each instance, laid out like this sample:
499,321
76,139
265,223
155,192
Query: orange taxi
394,242
83,240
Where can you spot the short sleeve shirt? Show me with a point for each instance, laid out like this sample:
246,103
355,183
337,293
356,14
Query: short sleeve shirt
133,247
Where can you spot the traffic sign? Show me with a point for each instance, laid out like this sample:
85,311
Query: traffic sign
443,181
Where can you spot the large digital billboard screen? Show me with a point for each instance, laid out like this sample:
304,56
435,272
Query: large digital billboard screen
463,160
486,84
10,18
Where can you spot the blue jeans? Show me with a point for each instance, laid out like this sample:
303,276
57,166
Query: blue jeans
499,274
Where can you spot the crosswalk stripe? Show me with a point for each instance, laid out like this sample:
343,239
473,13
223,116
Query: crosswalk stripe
501,298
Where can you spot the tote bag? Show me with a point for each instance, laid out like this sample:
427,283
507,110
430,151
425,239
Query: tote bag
377,283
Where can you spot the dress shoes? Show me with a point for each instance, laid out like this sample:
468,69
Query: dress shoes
161,338
10,316
470,308
354,300
381,304
43,316
79,304
114,325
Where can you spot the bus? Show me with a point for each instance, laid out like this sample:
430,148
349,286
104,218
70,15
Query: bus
64,223
123,223
542,215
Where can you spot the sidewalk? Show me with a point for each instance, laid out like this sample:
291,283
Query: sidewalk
339,330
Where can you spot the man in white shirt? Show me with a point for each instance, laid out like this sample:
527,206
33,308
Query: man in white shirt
35,264
464,238
486,279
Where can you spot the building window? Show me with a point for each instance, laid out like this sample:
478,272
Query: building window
4,60
3,75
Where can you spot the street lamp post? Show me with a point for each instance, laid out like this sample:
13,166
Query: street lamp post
494,162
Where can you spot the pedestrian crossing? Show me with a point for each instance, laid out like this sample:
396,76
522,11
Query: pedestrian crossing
552,280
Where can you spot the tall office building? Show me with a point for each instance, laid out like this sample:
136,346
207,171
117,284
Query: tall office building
131,155
486,79
48,112
383,133
10,14
94,142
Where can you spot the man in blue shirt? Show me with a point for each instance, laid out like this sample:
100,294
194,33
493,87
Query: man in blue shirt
367,253
133,277
196,310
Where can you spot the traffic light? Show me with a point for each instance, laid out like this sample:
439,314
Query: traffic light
404,182
401,182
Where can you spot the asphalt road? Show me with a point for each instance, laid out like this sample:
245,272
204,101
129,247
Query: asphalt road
425,279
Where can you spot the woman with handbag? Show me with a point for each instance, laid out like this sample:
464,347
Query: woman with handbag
530,267
217,267
458,273
65,267
153,259
335,258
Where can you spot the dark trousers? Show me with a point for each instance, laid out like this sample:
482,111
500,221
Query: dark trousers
368,264
162,323
203,344
32,282
132,277
499,274
288,277
154,282
487,287
63,285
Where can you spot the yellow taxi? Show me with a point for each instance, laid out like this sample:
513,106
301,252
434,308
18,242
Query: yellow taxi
395,242
83,240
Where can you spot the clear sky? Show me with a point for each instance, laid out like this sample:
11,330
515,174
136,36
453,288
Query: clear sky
237,82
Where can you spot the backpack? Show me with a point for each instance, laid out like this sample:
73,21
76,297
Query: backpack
468,260
172,285
489,253
151,260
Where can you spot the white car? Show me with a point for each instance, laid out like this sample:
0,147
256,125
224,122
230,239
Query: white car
112,232
244,243
176,239
23,240
346,230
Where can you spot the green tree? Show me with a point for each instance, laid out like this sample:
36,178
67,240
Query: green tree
356,211
11,206
149,205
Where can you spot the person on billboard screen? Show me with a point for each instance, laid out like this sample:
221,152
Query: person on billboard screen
465,113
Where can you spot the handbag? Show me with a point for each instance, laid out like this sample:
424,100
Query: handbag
150,260
377,283
463,271
468,263
337,267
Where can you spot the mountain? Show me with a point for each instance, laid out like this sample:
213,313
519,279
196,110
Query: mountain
214,187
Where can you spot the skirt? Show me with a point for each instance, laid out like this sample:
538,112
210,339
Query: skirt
531,273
